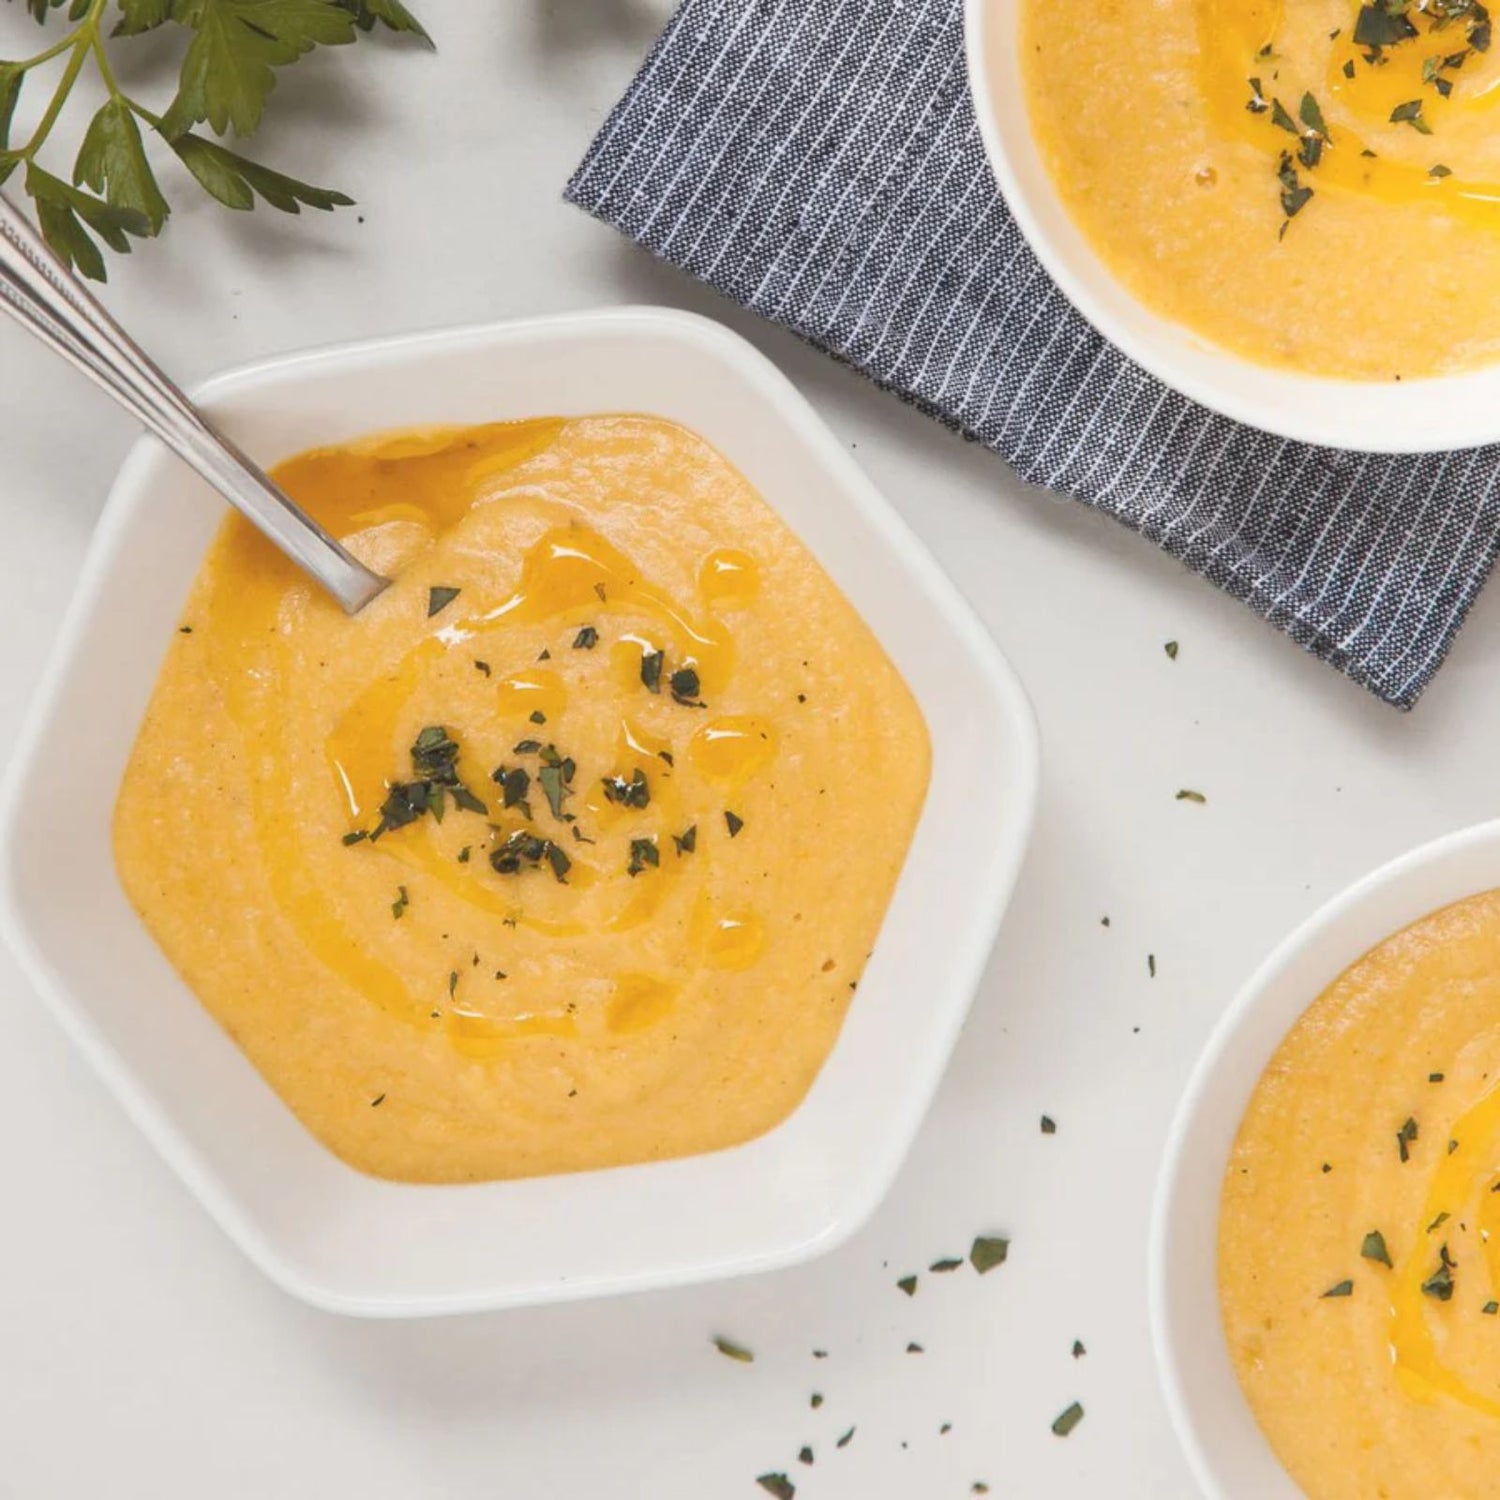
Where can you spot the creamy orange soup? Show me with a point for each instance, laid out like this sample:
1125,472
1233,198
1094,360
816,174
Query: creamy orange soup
1359,1237
568,851
1311,183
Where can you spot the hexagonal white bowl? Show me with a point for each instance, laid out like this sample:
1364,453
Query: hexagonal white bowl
351,1243
1412,416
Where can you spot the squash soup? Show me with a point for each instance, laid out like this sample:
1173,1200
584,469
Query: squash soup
1310,183
568,851
1359,1234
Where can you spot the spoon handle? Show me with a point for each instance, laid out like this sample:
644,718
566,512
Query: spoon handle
38,290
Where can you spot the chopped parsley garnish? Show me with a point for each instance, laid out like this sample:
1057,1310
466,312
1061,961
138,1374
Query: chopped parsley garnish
686,842
1171,648
1294,198
586,639
1339,1289
553,786
1187,794
439,598
1405,1136
1373,1248
537,716
651,664
355,837
399,905
1377,26
482,666
778,1485
1440,1283
526,747
1435,1077
1049,1125
731,1350
633,793
1311,115
1067,1419
643,852
1410,113
514,783
1490,1309
987,1252
1440,171
844,1441
434,758
685,687
435,754
377,1101
908,1284
733,822
1438,1222
1257,102
804,1455
524,851
948,1263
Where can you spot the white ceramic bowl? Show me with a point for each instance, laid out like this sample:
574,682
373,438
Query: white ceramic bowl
354,1244
1225,1447
1450,411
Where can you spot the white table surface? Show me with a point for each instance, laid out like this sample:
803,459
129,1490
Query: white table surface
140,1356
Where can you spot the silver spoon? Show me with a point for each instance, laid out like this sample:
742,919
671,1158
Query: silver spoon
37,289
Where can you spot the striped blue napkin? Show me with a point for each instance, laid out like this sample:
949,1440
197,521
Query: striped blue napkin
818,162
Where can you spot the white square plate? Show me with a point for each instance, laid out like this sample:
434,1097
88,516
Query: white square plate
349,1242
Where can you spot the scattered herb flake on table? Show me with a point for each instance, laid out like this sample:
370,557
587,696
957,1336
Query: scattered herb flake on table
1067,1420
731,1350
987,1252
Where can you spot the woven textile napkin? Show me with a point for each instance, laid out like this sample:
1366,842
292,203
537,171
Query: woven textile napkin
818,161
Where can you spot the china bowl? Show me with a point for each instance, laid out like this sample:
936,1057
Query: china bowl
354,1244
1412,416
1227,1450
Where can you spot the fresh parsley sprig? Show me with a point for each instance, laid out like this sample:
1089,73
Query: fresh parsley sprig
228,71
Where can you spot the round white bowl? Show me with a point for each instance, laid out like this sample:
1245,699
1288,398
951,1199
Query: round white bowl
1226,1449
1414,416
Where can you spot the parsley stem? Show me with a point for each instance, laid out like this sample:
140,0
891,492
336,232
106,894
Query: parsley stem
106,72
62,45
81,39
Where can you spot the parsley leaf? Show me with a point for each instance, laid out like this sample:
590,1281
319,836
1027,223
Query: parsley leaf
112,161
227,74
